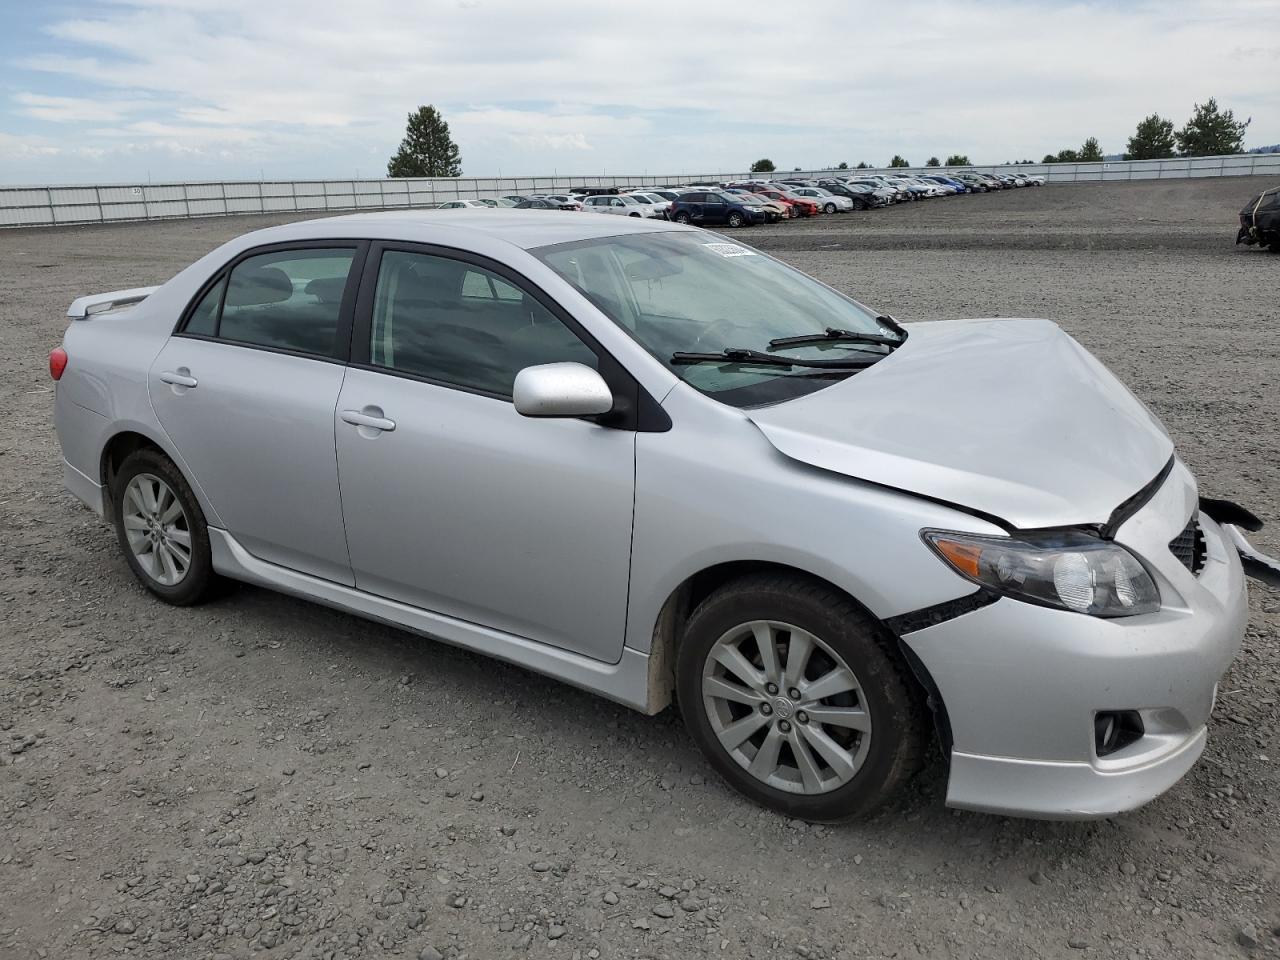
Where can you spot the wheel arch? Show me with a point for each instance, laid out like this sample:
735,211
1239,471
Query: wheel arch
129,438
668,632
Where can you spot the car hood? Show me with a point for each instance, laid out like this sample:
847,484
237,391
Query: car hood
1011,418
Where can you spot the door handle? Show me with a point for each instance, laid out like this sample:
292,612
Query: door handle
179,379
358,419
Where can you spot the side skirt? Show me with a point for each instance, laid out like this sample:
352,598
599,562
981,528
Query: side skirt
626,682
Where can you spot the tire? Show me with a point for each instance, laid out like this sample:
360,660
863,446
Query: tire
682,217
873,764
633,214
150,470
735,219
829,208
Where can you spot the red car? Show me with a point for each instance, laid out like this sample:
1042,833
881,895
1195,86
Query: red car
803,206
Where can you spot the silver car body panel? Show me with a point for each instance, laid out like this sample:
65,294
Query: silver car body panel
557,544
468,509
257,422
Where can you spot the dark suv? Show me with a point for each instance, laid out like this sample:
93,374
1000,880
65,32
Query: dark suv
711,206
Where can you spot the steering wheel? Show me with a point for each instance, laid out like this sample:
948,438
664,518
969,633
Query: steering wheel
714,333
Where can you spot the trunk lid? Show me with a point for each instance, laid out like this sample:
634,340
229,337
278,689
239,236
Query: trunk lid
1012,418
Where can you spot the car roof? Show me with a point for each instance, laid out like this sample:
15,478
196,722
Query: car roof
522,228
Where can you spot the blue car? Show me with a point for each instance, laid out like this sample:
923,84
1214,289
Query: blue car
714,207
960,185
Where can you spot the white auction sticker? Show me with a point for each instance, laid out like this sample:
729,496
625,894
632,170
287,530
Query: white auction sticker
729,250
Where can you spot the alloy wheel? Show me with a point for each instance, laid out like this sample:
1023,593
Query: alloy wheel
786,707
157,528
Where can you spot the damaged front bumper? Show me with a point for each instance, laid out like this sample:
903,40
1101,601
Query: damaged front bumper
1234,520
1026,690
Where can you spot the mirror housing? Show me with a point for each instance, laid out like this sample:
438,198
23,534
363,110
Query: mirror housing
561,390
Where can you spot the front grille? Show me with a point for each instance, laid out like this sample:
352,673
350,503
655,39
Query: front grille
1188,546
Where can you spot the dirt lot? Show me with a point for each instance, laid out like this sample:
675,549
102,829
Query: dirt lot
263,776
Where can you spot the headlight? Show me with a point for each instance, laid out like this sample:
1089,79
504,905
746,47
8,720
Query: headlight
1069,569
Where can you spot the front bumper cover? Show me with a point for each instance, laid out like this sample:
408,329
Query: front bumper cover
1020,685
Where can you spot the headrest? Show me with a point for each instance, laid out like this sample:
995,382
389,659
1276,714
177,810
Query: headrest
257,286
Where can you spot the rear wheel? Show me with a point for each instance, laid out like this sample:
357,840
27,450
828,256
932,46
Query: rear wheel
161,529
799,698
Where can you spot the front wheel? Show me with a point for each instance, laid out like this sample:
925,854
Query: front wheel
161,529
799,698
829,208
682,217
735,219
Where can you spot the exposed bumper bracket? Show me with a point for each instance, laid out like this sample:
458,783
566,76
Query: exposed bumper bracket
1257,565
1234,520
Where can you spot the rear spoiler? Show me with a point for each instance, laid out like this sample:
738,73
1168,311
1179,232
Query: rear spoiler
84,307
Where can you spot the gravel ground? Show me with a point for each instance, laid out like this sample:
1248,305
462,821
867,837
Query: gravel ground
261,776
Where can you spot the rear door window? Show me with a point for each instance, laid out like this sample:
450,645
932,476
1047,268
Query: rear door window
287,300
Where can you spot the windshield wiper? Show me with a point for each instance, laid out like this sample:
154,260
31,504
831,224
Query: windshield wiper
832,335
742,355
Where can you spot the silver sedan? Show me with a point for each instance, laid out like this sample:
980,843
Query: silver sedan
662,466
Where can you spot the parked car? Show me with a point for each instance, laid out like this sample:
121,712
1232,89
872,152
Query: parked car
897,194
649,461
621,205
863,196
828,201
974,182
463,204
660,205
803,206
1260,221
536,203
566,201
956,186
713,207
772,209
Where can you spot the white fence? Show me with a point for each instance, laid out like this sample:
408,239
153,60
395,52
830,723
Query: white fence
33,206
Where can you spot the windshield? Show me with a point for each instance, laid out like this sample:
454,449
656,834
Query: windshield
698,292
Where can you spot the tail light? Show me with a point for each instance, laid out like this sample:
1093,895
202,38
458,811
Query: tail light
57,362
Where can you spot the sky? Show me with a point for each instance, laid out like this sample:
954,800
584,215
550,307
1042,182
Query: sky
135,90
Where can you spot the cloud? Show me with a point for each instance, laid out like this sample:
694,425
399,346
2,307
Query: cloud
26,148
75,109
316,89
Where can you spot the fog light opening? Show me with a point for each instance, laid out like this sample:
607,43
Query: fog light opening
1115,729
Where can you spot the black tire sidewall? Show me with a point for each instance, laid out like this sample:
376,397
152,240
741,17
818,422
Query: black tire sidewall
200,576
894,705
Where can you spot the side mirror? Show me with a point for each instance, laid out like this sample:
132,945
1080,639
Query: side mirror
561,390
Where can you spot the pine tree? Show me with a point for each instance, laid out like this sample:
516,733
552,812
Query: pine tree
932,162
1211,132
1090,152
898,161
958,160
1153,140
427,150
